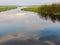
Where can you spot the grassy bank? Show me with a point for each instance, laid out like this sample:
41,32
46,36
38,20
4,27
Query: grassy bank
53,9
32,8
5,8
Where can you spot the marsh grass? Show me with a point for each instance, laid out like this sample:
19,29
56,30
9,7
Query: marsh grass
53,9
32,8
5,8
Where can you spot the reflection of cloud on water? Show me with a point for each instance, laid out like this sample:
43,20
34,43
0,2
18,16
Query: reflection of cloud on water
49,43
18,36
19,14
26,39
27,20
12,15
13,39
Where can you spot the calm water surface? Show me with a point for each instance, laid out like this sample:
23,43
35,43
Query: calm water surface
28,25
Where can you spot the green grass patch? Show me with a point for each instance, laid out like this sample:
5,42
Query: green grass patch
32,8
5,8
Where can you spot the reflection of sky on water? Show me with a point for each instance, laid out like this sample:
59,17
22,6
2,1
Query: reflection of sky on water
17,24
51,34
22,21
51,31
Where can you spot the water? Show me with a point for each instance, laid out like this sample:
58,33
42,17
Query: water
25,25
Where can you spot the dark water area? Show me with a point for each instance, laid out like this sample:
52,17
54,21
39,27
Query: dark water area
28,28
53,18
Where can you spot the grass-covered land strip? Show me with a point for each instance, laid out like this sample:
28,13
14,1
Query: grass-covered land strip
53,9
5,8
32,8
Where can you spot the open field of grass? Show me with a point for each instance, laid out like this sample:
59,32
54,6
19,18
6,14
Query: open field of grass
5,8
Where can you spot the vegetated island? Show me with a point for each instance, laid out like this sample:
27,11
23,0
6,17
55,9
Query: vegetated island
5,8
52,9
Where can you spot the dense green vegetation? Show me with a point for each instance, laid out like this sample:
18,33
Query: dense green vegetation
5,8
53,9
